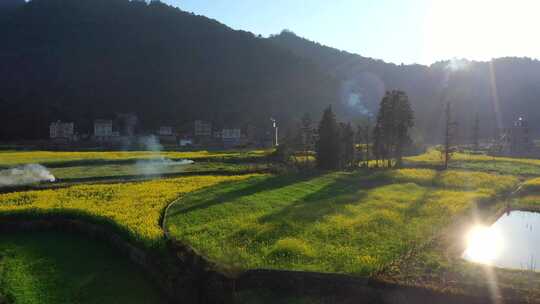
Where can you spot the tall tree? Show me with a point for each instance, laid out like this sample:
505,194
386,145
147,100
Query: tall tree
449,136
307,135
347,146
363,141
392,129
476,132
367,141
328,147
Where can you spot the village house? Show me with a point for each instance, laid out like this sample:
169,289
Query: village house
166,134
126,124
165,131
202,129
185,142
231,137
103,129
516,140
62,130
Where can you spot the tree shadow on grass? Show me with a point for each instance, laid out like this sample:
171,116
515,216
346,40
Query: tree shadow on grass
329,200
230,191
414,209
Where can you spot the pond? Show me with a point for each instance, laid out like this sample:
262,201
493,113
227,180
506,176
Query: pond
513,241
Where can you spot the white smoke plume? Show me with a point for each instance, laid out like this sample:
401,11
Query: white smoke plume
25,175
158,164
151,143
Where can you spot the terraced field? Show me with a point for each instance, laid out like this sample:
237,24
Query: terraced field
358,223
355,223
134,208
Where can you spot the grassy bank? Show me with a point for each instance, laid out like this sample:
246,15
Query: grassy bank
135,208
51,268
352,223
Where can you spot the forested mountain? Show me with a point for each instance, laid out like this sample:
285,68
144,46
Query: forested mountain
78,60
473,87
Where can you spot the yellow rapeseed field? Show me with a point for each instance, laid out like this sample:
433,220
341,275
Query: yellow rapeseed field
133,207
13,158
433,156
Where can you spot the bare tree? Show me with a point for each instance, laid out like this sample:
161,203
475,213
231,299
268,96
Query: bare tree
476,133
448,148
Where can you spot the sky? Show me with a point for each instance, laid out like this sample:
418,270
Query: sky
398,31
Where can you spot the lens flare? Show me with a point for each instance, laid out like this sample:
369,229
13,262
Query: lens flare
484,244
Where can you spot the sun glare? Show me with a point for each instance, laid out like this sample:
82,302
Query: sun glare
480,29
483,244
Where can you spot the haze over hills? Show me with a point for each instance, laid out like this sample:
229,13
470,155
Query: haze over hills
80,60
473,87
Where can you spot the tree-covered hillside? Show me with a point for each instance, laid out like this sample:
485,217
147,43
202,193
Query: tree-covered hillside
473,87
79,60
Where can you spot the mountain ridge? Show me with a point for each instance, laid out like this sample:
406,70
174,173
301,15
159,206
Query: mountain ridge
470,85
81,60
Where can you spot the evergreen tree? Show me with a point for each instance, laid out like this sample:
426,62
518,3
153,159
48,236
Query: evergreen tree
367,142
307,135
359,140
328,143
391,132
347,146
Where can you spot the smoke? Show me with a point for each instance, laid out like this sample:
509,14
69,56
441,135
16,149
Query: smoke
25,175
361,93
151,143
453,66
158,164
457,64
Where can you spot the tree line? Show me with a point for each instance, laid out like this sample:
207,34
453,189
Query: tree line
337,146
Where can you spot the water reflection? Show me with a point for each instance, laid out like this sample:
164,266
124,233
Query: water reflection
511,242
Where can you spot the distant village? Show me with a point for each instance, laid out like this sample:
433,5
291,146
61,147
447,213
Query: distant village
515,141
123,131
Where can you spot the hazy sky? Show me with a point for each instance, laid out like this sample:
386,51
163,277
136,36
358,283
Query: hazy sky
407,31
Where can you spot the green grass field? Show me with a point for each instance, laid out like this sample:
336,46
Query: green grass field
352,223
52,268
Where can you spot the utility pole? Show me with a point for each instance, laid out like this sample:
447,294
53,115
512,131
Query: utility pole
274,125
